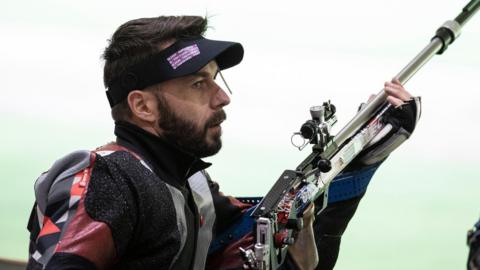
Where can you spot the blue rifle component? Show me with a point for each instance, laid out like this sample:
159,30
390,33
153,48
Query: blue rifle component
345,186
235,232
350,184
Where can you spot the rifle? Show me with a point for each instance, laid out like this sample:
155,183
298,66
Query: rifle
279,214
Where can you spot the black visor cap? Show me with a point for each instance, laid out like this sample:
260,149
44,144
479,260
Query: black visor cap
182,58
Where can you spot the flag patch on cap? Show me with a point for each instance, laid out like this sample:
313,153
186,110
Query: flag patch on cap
183,55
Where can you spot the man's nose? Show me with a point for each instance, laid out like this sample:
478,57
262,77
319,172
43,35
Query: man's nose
221,99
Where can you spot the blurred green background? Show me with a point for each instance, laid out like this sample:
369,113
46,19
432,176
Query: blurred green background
420,203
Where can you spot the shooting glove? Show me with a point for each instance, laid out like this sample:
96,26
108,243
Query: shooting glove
401,122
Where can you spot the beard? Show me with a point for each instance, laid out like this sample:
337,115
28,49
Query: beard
186,134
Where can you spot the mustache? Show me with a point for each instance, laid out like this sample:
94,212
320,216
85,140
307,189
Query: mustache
216,118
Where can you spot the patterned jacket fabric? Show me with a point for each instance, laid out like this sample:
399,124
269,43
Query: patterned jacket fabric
106,209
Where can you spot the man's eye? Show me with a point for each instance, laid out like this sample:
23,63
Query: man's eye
198,84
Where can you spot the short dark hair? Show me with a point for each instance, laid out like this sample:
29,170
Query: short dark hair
138,39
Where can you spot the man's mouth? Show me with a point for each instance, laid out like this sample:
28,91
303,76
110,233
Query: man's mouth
216,127
217,123
217,119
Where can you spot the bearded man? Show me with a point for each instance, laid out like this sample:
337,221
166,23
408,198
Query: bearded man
145,201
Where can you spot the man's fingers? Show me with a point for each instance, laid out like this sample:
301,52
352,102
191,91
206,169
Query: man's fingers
397,91
309,214
396,81
309,211
396,102
394,85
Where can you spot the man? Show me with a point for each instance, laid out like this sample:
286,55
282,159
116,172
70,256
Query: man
145,201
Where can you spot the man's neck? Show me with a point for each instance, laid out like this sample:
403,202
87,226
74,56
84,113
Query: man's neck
167,160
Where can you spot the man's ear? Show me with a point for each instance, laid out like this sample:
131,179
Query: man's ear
142,104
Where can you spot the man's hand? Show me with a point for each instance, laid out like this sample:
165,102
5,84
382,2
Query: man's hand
304,251
396,94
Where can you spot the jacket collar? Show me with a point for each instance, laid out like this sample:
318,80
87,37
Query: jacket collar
170,163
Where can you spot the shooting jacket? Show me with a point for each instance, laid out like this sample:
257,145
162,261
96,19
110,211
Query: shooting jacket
139,203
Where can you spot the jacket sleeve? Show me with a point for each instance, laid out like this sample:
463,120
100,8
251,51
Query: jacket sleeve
329,226
77,202
332,222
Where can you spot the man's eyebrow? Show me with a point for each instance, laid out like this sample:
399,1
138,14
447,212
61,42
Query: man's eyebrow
205,74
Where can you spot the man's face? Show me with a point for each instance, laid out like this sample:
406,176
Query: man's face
190,111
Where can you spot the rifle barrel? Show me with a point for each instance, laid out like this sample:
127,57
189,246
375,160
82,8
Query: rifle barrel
468,12
445,35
